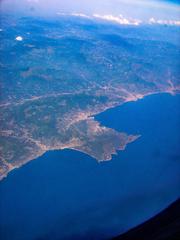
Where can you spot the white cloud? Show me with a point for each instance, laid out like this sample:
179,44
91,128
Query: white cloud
131,21
164,22
118,19
19,38
74,14
80,15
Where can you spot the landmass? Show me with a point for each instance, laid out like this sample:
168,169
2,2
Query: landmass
58,74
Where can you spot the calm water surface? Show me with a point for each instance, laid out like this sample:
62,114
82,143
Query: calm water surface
68,195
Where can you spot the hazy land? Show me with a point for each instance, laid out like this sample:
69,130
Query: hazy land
69,69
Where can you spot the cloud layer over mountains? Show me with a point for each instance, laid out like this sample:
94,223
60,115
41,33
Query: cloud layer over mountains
143,10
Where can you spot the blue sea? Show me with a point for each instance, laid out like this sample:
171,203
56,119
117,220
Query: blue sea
68,195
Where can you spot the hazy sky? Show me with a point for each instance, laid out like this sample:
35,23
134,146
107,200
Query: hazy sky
142,9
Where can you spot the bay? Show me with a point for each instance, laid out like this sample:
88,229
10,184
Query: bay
68,195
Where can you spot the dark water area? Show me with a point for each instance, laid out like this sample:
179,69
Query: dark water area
68,195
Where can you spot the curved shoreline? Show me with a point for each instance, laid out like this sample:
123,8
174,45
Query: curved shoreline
43,151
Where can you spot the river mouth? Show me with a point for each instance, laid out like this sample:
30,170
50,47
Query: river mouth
66,194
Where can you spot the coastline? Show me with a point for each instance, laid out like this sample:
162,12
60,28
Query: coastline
93,115
137,184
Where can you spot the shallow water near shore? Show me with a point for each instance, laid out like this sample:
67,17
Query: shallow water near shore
68,195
